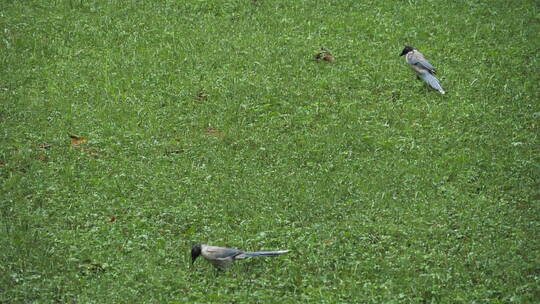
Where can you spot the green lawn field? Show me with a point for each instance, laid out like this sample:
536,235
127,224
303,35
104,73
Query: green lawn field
130,130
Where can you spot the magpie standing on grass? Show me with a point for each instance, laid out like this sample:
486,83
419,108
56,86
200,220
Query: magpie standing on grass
422,67
221,257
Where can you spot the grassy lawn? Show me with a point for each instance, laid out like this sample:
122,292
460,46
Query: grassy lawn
211,122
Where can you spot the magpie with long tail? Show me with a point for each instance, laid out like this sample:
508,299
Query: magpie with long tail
422,67
222,258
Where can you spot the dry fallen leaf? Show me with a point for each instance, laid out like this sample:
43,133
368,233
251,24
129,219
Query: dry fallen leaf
215,133
202,96
77,140
328,57
88,268
44,146
91,152
42,157
112,219
324,55
174,152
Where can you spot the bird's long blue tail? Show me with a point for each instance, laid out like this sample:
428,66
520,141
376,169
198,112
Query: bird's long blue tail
433,82
265,253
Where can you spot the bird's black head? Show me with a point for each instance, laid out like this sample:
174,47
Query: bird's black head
406,50
195,252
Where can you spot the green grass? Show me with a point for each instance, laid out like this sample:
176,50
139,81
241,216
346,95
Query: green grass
385,191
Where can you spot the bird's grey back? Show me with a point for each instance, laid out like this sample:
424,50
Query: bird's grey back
212,252
419,63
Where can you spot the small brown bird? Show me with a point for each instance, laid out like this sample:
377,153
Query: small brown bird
324,55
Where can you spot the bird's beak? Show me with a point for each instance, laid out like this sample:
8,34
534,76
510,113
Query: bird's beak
195,253
194,256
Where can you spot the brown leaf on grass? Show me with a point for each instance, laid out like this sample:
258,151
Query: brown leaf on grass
328,57
87,267
215,133
202,96
44,146
91,152
97,267
77,140
174,152
112,219
42,157
324,55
